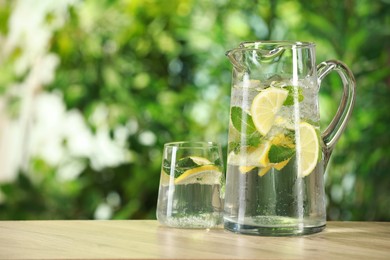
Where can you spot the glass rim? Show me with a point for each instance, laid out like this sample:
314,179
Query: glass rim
192,144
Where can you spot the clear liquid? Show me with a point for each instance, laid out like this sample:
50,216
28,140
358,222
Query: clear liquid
190,205
279,202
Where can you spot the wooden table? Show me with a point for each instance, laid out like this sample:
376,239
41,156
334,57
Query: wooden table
146,239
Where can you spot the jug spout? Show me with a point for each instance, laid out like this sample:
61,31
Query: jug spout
235,57
255,54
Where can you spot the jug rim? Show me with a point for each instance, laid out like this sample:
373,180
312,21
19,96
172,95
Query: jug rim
253,45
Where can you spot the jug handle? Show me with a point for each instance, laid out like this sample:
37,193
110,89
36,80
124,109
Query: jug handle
337,126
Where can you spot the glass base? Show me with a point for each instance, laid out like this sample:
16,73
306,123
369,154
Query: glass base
198,221
272,231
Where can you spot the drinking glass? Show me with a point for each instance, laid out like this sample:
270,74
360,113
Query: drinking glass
191,187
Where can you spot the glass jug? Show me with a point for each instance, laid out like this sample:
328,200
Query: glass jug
276,152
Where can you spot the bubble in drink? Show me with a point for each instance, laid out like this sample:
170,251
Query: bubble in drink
193,205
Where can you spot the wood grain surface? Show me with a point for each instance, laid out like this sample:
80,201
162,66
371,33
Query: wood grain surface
147,239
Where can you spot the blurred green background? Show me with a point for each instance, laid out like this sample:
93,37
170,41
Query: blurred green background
91,90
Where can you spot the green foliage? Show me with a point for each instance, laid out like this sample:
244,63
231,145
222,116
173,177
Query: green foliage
357,177
160,65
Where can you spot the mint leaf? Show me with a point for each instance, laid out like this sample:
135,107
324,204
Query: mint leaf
180,167
234,146
218,162
167,168
186,162
290,98
254,139
242,121
279,154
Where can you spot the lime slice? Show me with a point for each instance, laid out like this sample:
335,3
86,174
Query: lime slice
265,106
310,146
205,174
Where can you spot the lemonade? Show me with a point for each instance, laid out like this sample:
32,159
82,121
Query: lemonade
275,158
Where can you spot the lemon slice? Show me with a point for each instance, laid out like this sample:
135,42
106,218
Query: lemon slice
277,166
263,171
265,106
263,158
310,146
205,174
245,169
200,160
265,147
281,165
246,157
